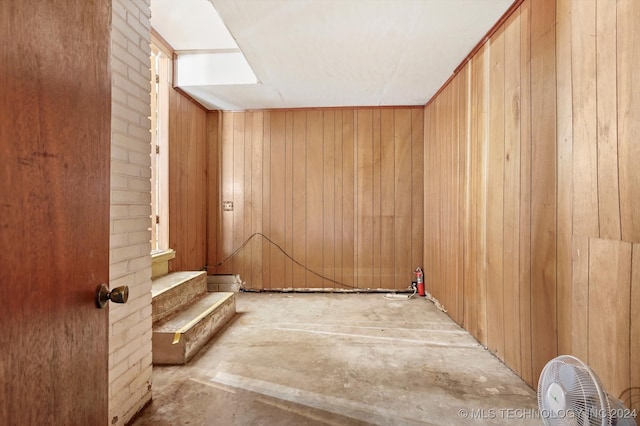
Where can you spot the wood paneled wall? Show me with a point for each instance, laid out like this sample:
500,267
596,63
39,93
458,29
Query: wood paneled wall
188,158
340,190
531,215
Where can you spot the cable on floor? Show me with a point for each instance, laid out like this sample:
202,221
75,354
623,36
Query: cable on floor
255,234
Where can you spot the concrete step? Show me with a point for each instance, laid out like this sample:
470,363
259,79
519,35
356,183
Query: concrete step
178,339
172,293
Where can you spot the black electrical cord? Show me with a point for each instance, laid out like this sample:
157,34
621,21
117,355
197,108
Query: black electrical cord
255,234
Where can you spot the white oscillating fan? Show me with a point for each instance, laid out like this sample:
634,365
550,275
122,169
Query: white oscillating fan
570,393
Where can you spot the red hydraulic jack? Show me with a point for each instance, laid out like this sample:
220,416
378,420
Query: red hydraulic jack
420,281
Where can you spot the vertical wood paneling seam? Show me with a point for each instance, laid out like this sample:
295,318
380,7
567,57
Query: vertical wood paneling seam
471,212
375,215
618,131
395,217
595,53
411,183
588,296
356,213
306,192
530,99
630,310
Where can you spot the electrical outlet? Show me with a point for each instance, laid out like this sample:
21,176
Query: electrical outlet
227,206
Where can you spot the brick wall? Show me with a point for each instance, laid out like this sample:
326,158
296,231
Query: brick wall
130,262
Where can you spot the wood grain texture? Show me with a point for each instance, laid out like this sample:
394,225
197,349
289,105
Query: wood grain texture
266,200
187,183
464,123
314,182
607,111
609,295
402,216
469,319
322,185
511,217
257,183
364,196
299,198
247,176
543,186
628,57
482,131
328,199
580,298
277,199
495,197
288,198
54,210
564,140
387,199
585,154
634,382
526,371
225,238
214,206
572,72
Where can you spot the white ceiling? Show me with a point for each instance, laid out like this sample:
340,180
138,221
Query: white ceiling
325,53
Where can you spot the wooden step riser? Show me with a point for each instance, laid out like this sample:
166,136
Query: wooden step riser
169,302
170,349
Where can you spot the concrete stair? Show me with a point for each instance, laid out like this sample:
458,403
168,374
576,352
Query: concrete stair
185,315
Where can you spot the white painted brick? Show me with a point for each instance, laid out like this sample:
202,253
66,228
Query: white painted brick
124,379
139,210
124,141
117,240
119,153
123,253
118,95
134,405
124,225
120,80
125,196
125,169
139,184
143,17
139,294
130,263
118,269
126,280
146,312
136,145
119,8
141,159
118,125
123,111
143,80
145,121
139,54
138,237
130,31
118,369
139,263
123,311
133,22
135,103
146,173
143,133
143,378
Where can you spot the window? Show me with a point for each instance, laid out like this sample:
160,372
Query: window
160,81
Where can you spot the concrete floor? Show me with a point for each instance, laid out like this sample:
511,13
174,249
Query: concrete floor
339,359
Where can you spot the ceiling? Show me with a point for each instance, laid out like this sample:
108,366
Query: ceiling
322,53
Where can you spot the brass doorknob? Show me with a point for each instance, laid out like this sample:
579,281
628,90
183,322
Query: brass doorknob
117,295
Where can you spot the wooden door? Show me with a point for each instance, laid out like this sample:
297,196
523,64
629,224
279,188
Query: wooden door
55,120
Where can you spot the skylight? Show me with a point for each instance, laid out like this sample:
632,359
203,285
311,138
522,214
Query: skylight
206,52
